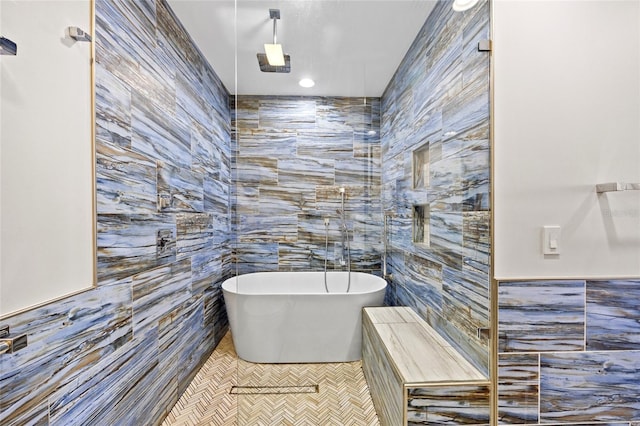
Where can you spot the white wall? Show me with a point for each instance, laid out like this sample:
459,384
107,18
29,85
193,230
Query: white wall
567,116
46,179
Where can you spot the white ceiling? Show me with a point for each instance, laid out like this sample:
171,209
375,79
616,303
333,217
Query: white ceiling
349,47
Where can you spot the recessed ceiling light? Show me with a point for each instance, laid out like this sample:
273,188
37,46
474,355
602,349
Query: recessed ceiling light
462,5
307,82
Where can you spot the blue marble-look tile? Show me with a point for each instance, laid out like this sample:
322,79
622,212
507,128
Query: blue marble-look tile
312,230
157,291
245,112
216,196
329,204
358,171
402,237
467,110
206,269
315,171
194,233
465,341
466,298
286,199
325,144
445,184
433,99
158,136
191,106
297,257
217,97
176,41
215,314
132,56
476,239
589,387
268,228
405,297
256,257
366,146
125,181
460,405
518,386
246,199
170,329
475,66
612,315
129,244
257,170
287,113
445,230
403,125
541,316
113,109
82,365
221,234
36,414
206,156
225,165
122,386
424,280
433,92
191,346
342,113
220,129
65,338
263,143
429,130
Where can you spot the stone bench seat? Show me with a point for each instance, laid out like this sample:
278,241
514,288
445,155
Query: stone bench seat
415,376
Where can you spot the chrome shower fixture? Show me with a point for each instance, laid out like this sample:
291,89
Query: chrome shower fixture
274,60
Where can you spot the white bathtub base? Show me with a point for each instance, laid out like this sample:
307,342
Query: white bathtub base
287,317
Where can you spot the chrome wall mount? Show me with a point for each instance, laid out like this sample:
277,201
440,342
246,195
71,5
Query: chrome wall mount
78,34
7,47
263,61
484,46
483,333
8,343
617,186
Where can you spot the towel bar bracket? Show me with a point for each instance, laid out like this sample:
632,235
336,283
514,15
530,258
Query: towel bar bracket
617,186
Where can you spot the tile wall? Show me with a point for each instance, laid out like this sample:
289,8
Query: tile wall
569,352
437,105
124,351
292,156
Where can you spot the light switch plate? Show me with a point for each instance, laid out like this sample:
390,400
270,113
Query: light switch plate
551,239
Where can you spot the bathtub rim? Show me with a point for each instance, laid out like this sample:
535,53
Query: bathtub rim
377,284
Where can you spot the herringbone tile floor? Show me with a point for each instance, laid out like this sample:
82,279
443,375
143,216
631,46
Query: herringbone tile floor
342,399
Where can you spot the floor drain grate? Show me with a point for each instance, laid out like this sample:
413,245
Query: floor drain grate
272,390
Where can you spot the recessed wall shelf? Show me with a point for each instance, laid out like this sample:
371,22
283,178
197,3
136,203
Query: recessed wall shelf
421,217
617,186
420,167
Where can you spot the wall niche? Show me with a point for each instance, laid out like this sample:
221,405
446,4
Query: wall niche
421,224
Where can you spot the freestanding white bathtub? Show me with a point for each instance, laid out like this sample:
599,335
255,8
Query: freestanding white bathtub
288,317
